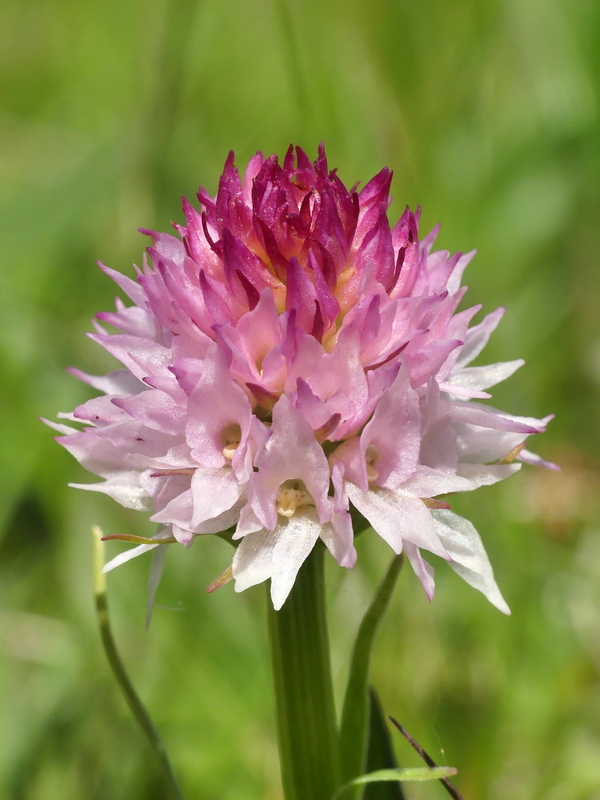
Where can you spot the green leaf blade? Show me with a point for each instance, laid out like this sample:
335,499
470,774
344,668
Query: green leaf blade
380,753
353,728
415,774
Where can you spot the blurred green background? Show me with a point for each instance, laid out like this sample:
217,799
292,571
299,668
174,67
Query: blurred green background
487,112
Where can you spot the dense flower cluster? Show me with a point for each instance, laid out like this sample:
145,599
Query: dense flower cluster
288,357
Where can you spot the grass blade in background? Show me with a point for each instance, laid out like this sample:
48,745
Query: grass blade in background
388,775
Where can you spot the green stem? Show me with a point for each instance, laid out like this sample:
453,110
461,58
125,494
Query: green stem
308,737
114,659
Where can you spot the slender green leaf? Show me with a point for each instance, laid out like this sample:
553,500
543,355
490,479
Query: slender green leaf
118,668
353,730
380,753
408,774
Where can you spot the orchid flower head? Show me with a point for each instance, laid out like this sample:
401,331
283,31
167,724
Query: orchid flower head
287,356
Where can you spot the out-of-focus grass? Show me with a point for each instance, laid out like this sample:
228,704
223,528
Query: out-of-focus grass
488,114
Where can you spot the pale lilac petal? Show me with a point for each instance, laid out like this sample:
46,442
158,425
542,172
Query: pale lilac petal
487,417
141,356
228,519
155,410
478,336
133,321
291,453
454,280
339,539
248,523
438,434
177,512
350,458
454,390
132,289
396,419
427,482
423,570
339,535
215,403
213,493
183,535
527,457
469,559
119,382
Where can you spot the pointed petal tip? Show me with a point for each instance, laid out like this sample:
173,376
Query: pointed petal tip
277,598
504,608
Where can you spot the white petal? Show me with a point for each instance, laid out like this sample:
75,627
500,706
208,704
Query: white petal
469,559
479,378
127,555
124,488
295,539
156,570
487,474
428,482
454,390
397,518
253,558
482,445
66,430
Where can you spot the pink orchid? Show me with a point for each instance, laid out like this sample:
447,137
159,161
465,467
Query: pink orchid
291,355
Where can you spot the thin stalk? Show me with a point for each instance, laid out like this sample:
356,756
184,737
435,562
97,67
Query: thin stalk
114,659
307,730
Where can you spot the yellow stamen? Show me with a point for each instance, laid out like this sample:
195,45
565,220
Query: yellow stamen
510,457
291,496
231,437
